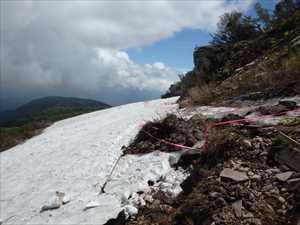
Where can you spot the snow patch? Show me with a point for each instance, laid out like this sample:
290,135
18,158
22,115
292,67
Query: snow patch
75,156
133,173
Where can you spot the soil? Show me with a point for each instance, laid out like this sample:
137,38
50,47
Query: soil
240,179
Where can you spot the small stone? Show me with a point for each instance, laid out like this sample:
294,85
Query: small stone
52,206
264,153
150,182
230,199
248,215
251,196
91,204
273,170
237,207
220,201
243,169
256,177
284,176
247,143
281,211
275,191
230,174
250,173
156,202
281,199
254,221
267,187
269,208
215,194
148,198
54,203
283,190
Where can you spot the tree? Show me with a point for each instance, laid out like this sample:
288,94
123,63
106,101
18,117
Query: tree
286,8
286,14
263,14
234,27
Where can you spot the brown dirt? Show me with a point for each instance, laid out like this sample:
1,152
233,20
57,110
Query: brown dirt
208,199
172,129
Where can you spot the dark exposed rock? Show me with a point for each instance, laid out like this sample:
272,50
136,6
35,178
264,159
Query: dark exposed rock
289,157
120,220
150,183
288,104
208,59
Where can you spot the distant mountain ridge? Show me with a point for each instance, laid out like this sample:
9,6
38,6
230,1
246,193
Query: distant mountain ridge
43,104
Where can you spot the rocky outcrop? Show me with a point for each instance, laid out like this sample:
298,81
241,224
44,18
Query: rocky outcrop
208,59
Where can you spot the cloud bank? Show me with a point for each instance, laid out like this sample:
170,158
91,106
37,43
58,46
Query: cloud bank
78,48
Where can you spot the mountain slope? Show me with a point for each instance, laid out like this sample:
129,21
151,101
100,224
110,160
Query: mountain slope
57,101
75,156
43,104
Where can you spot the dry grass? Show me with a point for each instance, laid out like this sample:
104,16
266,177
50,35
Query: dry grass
272,79
279,80
289,75
200,95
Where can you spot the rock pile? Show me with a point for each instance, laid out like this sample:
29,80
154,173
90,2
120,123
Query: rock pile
249,175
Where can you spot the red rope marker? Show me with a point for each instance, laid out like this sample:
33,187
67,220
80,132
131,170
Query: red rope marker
238,121
214,124
170,143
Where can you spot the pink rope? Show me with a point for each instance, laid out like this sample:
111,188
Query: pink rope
214,124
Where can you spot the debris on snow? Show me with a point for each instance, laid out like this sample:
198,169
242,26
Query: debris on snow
92,204
56,202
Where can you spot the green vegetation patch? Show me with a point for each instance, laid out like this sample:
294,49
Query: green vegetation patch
15,132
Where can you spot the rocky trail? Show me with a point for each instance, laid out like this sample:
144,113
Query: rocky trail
249,174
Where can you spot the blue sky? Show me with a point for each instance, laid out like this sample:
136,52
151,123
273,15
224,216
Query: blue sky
177,51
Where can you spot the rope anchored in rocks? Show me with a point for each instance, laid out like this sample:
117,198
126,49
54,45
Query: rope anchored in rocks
206,134
214,124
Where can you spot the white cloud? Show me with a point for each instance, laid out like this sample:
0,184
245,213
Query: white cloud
78,47
128,74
